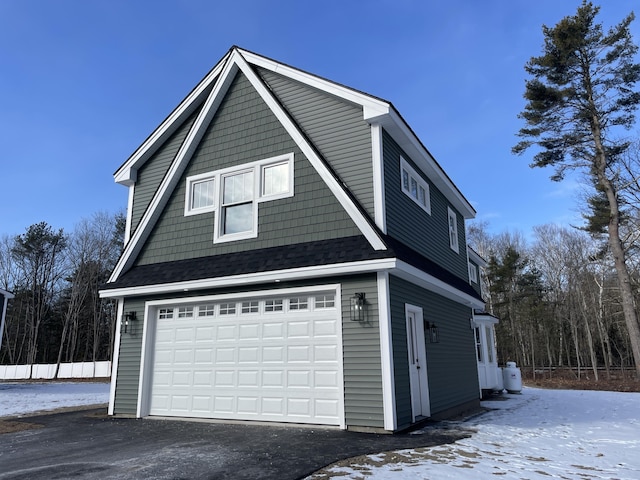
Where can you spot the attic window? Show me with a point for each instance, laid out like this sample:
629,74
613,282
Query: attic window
234,194
200,196
414,186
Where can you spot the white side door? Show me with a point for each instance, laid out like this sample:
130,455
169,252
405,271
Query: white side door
417,353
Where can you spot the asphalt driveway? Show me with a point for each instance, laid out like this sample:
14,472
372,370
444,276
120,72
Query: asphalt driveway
90,444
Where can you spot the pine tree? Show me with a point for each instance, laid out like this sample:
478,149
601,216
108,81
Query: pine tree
581,94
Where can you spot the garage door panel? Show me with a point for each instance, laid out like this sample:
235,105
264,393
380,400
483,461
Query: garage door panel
325,379
299,329
226,333
281,365
250,331
298,353
248,355
225,355
325,353
273,331
184,334
273,379
183,356
224,378
205,334
325,328
273,354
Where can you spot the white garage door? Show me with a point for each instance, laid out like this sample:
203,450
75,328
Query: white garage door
273,359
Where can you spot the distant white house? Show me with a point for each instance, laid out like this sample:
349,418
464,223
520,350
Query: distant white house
4,299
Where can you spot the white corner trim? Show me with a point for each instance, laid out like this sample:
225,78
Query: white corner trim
386,353
127,228
253,278
356,215
378,177
116,358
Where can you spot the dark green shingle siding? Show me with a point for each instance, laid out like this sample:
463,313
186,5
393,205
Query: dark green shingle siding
244,130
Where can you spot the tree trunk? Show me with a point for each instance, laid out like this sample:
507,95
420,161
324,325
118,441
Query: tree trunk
617,250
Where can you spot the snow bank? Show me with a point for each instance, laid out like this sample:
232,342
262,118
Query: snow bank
23,398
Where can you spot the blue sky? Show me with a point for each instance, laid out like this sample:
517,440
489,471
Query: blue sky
83,83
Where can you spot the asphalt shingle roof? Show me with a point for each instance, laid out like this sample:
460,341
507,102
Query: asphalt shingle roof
323,252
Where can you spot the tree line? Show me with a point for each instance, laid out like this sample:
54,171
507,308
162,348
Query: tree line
557,298
57,315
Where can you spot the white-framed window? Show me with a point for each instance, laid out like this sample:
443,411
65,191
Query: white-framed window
237,208
165,313
453,229
414,186
276,180
234,194
201,195
185,312
473,273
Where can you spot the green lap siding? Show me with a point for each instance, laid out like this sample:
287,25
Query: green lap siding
128,375
406,221
362,363
336,127
451,363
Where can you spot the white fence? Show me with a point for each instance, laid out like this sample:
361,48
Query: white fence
47,371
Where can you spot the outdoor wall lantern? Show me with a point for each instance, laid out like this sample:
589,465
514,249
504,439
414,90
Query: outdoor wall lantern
432,331
357,307
129,317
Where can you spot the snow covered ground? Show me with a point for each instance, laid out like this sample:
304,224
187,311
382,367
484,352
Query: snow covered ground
23,398
540,434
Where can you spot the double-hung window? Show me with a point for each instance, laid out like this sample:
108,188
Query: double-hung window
414,186
234,194
237,210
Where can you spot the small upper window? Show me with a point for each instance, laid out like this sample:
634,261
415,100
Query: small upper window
473,273
276,179
200,196
453,230
414,186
